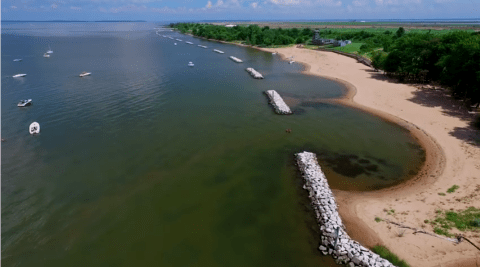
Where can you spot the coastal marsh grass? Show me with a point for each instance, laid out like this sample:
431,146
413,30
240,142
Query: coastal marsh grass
468,219
388,255
442,194
453,188
378,219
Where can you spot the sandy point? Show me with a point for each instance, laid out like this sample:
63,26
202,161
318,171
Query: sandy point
452,158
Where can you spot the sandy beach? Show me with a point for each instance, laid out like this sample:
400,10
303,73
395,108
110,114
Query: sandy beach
452,158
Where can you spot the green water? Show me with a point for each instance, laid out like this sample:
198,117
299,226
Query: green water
150,162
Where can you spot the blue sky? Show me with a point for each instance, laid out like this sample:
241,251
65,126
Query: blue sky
185,10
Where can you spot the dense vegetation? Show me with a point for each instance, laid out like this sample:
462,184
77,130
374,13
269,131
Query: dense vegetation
449,57
252,35
392,258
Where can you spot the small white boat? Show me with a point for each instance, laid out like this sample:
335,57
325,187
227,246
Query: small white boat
202,46
175,43
291,62
170,38
19,75
178,40
34,128
189,42
46,55
218,51
49,50
83,74
190,64
17,59
24,103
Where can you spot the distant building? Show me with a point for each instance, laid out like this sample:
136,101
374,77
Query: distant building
317,40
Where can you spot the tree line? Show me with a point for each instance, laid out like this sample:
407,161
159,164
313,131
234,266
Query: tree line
452,59
251,35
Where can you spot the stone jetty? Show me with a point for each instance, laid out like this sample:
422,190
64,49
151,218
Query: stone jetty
236,59
277,102
255,74
335,240
218,51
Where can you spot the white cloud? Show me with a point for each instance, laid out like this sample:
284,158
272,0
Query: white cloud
54,6
443,1
209,4
328,3
254,4
13,7
75,8
287,2
360,3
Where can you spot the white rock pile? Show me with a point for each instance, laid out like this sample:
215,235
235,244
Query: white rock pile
236,59
341,247
277,102
255,74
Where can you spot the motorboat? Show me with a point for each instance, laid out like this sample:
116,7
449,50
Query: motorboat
17,59
189,42
175,43
46,55
202,46
49,50
178,40
34,128
83,74
19,75
24,103
218,51
291,62
190,64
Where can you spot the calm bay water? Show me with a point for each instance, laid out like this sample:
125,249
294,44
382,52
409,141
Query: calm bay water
150,162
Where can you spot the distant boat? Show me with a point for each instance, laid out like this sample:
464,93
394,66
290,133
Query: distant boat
34,128
46,55
24,103
190,64
49,50
178,40
175,43
218,51
274,53
202,46
19,75
17,59
291,62
83,74
189,42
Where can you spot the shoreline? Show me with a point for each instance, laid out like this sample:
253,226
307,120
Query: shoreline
358,209
449,160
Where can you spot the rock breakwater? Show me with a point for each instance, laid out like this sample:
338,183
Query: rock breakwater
277,102
335,240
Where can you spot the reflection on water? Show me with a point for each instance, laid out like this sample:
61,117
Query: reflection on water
149,161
